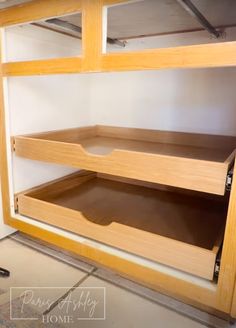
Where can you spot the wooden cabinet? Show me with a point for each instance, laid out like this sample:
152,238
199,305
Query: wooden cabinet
156,206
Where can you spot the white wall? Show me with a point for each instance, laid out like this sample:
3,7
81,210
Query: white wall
28,42
42,103
200,100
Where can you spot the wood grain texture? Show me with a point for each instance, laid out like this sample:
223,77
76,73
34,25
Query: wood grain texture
228,259
207,55
45,66
188,291
115,2
3,150
168,137
122,215
197,56
233,307
37,10
92,15
41,9
178,165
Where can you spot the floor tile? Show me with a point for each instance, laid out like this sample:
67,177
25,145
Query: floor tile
161,299
128,304
30,268
53,251
123,309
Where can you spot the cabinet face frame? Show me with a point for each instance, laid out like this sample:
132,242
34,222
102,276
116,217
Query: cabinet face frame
92,59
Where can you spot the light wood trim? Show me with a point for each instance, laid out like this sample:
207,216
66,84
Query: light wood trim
92,16
36,204
117,2
207,55
37,10
41,67
41,9
228,260
233,307
3,149
197,56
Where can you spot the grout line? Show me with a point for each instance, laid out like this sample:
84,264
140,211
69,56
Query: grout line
69,291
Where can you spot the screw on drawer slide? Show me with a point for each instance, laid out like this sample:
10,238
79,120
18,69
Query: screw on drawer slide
229,179
217,267
13,144
16,207
217,263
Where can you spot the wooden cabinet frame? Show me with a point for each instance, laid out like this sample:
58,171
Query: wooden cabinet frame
93,59
220,296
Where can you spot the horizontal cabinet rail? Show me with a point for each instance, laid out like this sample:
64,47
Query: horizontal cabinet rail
197,56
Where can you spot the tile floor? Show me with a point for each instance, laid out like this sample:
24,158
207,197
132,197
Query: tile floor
125,304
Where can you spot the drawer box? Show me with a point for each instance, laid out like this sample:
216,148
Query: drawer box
183,230
191,161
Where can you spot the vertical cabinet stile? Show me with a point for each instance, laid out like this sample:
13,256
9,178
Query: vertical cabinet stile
92,34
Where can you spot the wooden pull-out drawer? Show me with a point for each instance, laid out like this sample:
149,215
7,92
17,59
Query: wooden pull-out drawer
192,161
180,230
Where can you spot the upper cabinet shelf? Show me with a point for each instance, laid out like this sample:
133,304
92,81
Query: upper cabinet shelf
192,161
